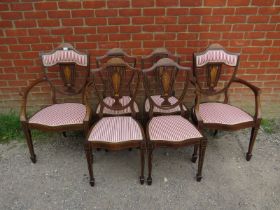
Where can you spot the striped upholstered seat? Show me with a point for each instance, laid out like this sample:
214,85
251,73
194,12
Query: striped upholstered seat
60,115
172,128
220,113
158,100
116,130
124,100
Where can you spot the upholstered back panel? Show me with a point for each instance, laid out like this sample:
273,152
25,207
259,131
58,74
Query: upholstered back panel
216,56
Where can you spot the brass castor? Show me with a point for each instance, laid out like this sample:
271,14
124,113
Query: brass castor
149,180
91,182
33,159
141,178
194,158
248,156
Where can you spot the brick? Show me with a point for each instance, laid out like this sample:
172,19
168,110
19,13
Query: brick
28,40
72,22
86,45
269,10
62,31
177,11
19,48
4,7
153,44
48,23
154,12
261,42
166,3
94,4
187,36
22,7
11,15
243,27
165,36
117,37
146,3
246,11
118,21
175,28
166,20
97,37
30,55
51,39
189,19
142,36
265,27
44,5
235,19
189,3
8,77
108,45
258,19
8,40
17,83
117,4
10,56
238,3
271,50
59,14
74,38
273,35
262,3
130,29
198,28
23,62
16,32
175,43
255,35
84,30
214,3
69,5
195,43
275,19
258,57
130,12
35,14
212,19
106,13
200,11
209,36
95,21
220,28
108,29
5,24
224,11
130,44
25,23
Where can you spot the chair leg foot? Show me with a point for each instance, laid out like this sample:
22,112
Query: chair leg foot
248,156
198,178
194,158
142,179
149,180
33,159
92,182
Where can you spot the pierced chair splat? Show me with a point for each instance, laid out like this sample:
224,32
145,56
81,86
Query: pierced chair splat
60,117
215,71
115,132
172,130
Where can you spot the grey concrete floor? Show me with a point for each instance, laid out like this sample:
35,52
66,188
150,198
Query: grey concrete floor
59,179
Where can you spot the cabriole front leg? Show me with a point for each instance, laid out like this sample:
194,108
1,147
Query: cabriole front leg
202,149
254,133
89,156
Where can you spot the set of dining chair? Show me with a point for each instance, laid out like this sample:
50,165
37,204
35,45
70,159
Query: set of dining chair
117,122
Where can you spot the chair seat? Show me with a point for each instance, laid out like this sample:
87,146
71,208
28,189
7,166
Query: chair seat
124,100
116,130
172,128
158,100
60,115
220,113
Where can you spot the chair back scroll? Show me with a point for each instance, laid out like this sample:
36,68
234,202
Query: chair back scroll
167,71
68,60
215,64
116,74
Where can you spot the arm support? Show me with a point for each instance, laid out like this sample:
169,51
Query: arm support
257,92
24,95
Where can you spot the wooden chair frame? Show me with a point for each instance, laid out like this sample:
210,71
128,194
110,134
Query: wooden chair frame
200,143
255,123
67,76
115,65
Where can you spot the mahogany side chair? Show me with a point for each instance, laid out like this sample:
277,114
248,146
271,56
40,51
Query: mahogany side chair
215,71
115,132
172,130
102,60
62,75
149,61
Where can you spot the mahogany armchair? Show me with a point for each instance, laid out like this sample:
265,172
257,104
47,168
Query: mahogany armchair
61,74
149,61
210,67
102,60
171,130
115,132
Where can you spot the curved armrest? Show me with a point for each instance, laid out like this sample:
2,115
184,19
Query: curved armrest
24,95
256,91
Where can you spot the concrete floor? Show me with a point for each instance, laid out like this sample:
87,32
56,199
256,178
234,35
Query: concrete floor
59,179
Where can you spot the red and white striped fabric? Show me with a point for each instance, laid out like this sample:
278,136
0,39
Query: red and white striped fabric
64,56
220,113
124,101
212,56
158,100
115,130
60,114
172,128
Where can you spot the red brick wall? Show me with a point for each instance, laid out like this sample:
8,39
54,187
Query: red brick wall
250,27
